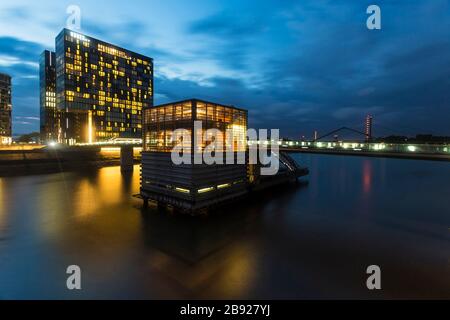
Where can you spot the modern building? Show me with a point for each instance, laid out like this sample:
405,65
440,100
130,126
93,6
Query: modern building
50,116
5,109
101,90
192,185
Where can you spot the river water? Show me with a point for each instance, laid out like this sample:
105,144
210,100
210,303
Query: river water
311,240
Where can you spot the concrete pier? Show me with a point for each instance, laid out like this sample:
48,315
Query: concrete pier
126,158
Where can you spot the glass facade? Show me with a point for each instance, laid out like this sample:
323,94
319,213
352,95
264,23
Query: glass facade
101,88
5,109
50,116
193,185
161,121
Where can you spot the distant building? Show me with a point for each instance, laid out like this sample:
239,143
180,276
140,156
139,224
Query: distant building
5,109
50,116
368,125
101,90
192,186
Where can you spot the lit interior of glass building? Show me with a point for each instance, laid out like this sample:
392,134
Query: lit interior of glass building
161,121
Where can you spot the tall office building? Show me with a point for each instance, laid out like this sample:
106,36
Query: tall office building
5,109
100,88
50,115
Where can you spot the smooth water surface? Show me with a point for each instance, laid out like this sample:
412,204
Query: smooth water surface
310,240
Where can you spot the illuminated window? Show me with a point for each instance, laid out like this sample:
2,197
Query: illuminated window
204,190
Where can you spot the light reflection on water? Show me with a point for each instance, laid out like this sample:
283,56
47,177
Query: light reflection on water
367,176
312,240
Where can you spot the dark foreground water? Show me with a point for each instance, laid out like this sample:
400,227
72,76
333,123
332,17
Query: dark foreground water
313,240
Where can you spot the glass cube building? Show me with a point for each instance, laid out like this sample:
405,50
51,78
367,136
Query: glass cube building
193,185
5,109
162,120
100,88
50,116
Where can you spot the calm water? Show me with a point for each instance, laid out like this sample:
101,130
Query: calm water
313,240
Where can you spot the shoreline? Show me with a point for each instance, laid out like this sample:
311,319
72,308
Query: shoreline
37,168
42,161
35,162
404,156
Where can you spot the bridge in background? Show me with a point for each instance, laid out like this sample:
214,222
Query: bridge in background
365,147
126,151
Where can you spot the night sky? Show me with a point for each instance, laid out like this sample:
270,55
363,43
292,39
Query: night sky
295,65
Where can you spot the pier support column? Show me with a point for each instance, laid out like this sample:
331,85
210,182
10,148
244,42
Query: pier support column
145,203
126,158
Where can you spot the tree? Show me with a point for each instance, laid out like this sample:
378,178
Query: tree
29,137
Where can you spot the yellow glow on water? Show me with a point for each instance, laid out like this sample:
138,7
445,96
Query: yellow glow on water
110,185
85,192
226,273
90,133
237,274
106,190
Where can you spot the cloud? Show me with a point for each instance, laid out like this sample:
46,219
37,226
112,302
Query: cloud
25,123
28,118
300,66
227,38
224,25
17,12
8,61
14,49
19,59
351,112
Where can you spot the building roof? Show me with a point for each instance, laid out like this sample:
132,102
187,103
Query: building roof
64,30
199,100
5,76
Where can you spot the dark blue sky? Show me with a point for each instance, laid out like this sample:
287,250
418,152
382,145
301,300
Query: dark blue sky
295,65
